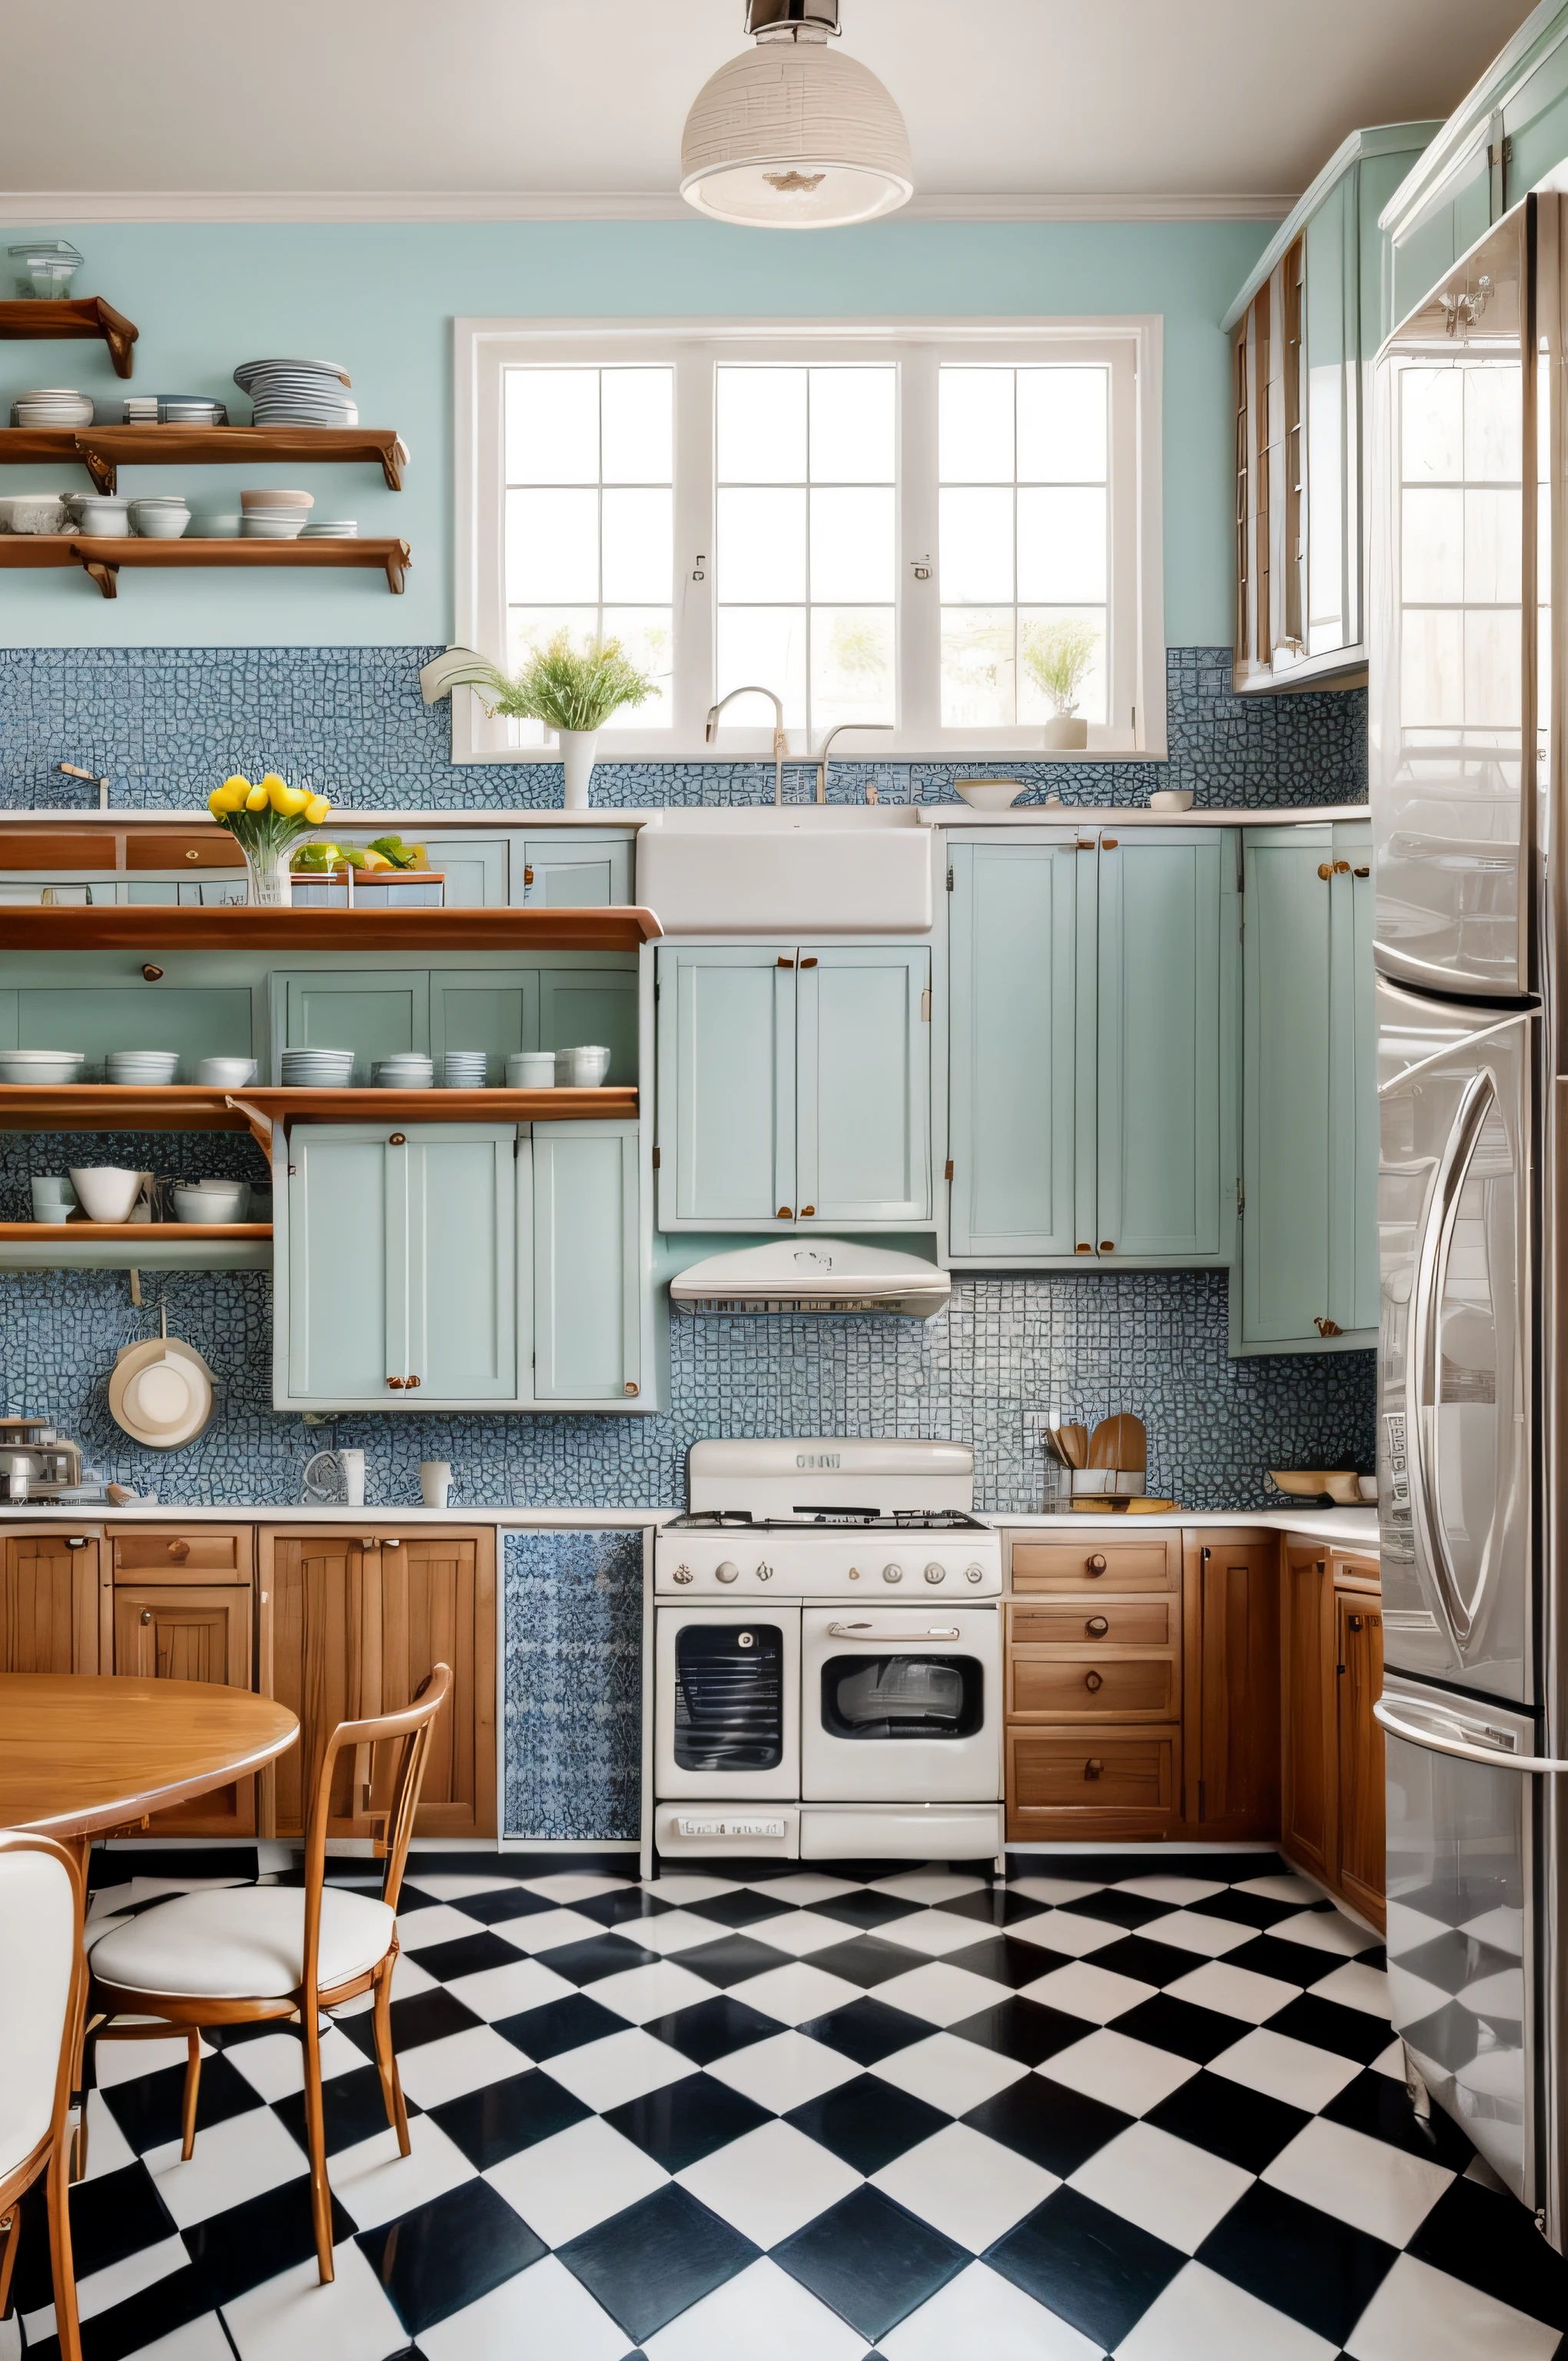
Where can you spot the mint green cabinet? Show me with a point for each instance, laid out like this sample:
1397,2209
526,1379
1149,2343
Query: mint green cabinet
578,1006
493,1009
372,1012
477,869
1308,1278
211,1021
572,869
497,1009
587,1328
794,1087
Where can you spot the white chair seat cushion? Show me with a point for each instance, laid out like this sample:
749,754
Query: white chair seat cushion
242,1942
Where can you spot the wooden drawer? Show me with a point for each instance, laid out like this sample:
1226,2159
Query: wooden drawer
1358,1574
1107,1782
198,1553
1090,1563
1103,1623
1082,1687
207,847
62,849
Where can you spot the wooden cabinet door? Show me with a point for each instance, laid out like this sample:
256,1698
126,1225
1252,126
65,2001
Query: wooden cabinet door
1157,1018
726,1088
477,868
190,1631
864,1086
1231,1750
1359,1677
1310,1750
49,1604
1285,1274
586,1303
1013,1063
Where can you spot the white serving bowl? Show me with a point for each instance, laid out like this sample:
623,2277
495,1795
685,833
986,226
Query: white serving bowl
268,500
1175,799
211,1205
42,1066
224,1073
159,524
107,1192
989,794
141,1065
582,1069
271,524
108,520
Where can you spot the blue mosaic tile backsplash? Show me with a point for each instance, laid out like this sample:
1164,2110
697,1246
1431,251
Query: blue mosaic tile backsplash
572,1652
164,725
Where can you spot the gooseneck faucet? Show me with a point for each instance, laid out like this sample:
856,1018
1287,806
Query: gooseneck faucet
836,730
781,743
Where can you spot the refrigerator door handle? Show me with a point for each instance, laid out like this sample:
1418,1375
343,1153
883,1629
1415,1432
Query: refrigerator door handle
1432,1262
1441,1741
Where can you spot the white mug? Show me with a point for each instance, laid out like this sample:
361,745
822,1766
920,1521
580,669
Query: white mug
434,1482
352,1464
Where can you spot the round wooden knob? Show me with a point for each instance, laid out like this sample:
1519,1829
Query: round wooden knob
413,1383
192,856
806,1210
1097,1626
784,1214
1095,1565
396,1384
180,1549
397,1140
1094,1681
1093,1767
1326,870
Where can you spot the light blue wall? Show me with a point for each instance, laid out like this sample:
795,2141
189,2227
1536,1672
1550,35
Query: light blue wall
381,300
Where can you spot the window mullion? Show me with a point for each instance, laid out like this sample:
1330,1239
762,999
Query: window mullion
692,688
918,619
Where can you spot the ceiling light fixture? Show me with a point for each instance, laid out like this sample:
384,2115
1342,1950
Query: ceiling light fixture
791,134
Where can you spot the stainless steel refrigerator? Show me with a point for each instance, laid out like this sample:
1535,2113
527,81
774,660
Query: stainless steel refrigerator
1472,906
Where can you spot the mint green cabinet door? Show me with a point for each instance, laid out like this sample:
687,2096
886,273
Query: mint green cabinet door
477,869
1158,1027
569,870
460,1278
585,1301
215,1022
577,1006
725,1087
370,1012
1012,1049
1286,987
345,1315
495,1010
864,1086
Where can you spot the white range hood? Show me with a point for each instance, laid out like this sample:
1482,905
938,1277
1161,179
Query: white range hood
821,1275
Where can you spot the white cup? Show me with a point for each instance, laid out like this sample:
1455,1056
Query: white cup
352,1463
434,1482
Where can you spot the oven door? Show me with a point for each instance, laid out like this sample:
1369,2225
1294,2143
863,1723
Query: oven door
901,1706
727,1702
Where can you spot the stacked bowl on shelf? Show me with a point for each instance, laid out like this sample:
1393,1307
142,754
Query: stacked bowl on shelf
406,1070
297,394
52,405
147,1068
274,516
320,1070
463,1070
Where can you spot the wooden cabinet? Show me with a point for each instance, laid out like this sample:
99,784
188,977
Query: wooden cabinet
1232,1753
1309,1752
1359,1675
1090,995
794,1087
1309,1236
1104,1783
52,1617
183,1610
355,1622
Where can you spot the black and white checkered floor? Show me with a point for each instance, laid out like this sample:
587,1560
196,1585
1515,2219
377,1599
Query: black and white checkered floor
1113,2107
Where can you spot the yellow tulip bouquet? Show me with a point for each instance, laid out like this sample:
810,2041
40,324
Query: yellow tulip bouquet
265,819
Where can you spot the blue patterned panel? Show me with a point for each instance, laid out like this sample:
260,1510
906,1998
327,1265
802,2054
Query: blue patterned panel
572,1689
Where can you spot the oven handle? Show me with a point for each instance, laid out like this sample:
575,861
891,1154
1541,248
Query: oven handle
1495,1758
868,1631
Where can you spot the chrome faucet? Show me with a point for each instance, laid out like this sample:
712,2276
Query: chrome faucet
781,742
836,730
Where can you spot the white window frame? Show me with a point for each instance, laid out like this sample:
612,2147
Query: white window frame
1131,345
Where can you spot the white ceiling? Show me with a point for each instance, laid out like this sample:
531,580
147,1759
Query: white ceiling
1215,100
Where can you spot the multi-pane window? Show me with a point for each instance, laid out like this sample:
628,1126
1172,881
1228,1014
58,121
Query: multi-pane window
1023,463
590,519
947,531
805,541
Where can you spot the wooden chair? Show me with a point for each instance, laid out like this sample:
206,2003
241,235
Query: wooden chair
240,1954
42,1906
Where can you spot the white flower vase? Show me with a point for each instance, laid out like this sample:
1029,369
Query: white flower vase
1066,733
578,762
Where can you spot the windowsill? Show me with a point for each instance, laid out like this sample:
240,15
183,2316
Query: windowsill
886,758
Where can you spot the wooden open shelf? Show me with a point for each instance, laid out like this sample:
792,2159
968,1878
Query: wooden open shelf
120,1106
147,928
131,1232
45,319
103,450
101,556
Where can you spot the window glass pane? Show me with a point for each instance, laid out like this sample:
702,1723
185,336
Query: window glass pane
851,665
976,544
552,426
646,634
637,545
1055,645
853,425
765,644
1061,426
977,667
1061,544
851,542
760,426
552,547
760,545
974,408
639,437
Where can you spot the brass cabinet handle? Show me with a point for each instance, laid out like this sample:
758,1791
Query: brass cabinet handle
1360,872
1084,1246
180,1549
805,1210
412,1383
1326,870
397,1140
1093,1682
396,1384
1107,1246
147,1615
808,962
630,1387
1109,843
1341,869
1093,1767
527,875
1354,1621
785,1214
192,856
1328,1328
1095,1565
1097,1626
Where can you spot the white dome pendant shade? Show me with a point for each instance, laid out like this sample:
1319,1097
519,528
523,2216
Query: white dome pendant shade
792,135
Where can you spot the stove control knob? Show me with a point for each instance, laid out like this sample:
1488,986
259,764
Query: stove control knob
728,1571
934,1573
892,1574
974,1573
683,1574
764,1574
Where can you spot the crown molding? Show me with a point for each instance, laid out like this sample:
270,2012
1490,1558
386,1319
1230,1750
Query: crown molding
29,208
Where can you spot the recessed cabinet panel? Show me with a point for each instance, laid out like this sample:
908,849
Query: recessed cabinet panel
864,1086
585,1333
462,1316
572,870
579,1006
490,1009
49,1605
373,1013
346,1267
727,1086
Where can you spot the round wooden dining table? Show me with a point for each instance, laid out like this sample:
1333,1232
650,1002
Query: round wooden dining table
84,1753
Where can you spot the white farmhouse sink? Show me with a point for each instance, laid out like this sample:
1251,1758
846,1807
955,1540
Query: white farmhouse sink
807,869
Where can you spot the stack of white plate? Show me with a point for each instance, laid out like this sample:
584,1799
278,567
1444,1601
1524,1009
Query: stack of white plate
190,410
274,516
317,1069
52,405
297,394
143,1066
339,529
407,1069
463,1070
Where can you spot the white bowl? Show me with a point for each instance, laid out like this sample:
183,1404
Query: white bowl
1171,800
161,524
141,1065
277,500
531,1070
582,1069
107,1192
224,1073
106,519
42,1066
989,794
271,524
210,1206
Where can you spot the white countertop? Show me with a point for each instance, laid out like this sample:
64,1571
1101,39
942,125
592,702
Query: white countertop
1342,1528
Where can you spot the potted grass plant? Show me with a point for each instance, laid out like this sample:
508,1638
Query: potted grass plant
572,691
1055,657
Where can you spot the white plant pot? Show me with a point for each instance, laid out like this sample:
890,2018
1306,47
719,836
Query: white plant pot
1066,732
577,760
